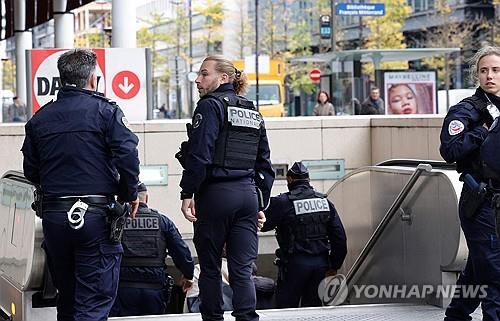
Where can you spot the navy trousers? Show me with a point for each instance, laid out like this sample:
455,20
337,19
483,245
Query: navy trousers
84,264
482,268
227,214
302,278
136,301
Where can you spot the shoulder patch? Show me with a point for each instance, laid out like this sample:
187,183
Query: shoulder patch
125,121
197,120
455,127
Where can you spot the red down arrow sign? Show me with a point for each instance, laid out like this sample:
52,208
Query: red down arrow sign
126,84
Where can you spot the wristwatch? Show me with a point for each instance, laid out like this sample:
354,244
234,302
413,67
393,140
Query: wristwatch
185,195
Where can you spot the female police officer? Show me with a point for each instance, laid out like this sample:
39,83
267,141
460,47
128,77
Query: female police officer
227,157
464,131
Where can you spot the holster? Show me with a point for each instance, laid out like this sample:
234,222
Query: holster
184,148
168,287
474,197
495,202
282,263
182,154
118,214
37,202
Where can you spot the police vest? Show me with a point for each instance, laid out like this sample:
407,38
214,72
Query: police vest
309,221
238,142
143,244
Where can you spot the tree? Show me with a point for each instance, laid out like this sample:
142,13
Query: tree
244,34
213,11
449,34
9,75
151,37
92,39
386,31
300,45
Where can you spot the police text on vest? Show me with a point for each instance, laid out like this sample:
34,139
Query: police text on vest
311,205
243,117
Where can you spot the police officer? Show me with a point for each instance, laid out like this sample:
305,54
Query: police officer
145,286
311,238
81,153
464,131
227,157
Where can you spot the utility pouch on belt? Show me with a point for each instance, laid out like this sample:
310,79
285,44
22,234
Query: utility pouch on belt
118,214
475,197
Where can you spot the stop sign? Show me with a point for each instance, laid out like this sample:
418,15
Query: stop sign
315,74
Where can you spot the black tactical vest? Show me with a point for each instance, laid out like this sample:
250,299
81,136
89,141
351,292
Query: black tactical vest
311,214
143,244
238,142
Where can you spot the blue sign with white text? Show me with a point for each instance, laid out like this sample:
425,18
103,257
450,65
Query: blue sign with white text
360,9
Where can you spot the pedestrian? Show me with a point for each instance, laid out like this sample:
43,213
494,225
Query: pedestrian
373,104
16,112
464,131
311,239
227,169
81,153
145,286
324,107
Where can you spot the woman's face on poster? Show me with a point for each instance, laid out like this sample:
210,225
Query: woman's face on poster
402,100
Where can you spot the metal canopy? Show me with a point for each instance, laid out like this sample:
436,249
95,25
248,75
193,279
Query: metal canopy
376,55
36,13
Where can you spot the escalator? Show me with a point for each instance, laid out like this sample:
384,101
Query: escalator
401,222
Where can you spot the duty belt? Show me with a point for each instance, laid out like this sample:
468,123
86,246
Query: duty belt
76,207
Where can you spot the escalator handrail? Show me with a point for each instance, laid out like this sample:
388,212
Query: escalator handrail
385,221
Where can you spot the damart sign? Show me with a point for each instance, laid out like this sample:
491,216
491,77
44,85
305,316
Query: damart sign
121,74
333,291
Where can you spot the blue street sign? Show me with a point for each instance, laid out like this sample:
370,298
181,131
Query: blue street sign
360,9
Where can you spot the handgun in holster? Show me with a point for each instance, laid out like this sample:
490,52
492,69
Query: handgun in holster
281,262
118,214
475,197
184,148
37,201
168,288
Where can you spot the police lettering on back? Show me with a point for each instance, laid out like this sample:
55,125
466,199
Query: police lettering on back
311,205
244,117
142,223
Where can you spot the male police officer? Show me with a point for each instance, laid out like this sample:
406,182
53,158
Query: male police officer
144,284
81,153
227,157
464,132
311,239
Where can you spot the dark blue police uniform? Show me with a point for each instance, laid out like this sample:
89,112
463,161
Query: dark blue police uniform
311,240
144,287
228,157
462,136
80,146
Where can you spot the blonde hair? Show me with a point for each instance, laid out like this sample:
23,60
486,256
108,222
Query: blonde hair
480,54
237,77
